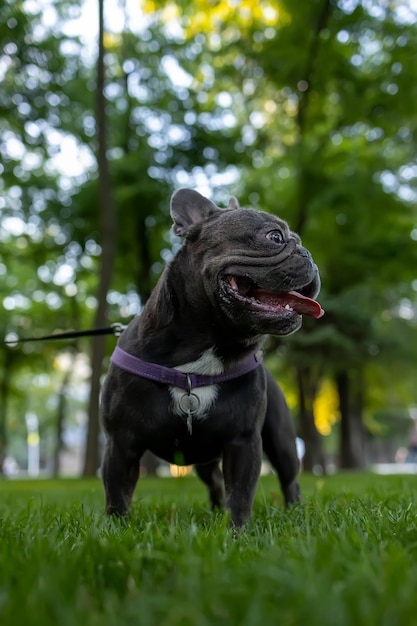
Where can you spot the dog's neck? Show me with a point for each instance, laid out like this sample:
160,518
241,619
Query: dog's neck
173,331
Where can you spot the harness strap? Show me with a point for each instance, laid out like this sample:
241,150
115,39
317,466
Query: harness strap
172,376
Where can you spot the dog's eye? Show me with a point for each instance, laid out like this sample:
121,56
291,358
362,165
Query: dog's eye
276,236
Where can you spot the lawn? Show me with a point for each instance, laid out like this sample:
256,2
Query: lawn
346,556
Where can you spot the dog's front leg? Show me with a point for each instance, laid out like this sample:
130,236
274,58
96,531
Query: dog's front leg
120,473
242,459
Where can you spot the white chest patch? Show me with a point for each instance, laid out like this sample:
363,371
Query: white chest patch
208,364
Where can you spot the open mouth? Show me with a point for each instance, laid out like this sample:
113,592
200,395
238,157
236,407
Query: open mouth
255,298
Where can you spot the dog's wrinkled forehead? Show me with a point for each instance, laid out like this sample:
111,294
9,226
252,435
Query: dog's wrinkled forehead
190,212
243,225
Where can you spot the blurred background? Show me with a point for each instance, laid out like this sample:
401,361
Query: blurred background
304,109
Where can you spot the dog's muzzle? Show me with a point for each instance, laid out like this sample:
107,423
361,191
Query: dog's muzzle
249,295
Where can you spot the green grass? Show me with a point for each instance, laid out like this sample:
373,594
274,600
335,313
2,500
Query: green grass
346,556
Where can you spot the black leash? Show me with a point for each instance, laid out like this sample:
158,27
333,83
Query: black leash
115,329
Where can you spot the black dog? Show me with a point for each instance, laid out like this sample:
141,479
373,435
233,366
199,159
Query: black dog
186,380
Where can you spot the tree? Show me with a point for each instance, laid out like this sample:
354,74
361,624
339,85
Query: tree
331,133
319,128
108,249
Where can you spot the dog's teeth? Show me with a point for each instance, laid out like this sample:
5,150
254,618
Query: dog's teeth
287,306
233,283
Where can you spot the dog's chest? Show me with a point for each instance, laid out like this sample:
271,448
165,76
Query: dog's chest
208,364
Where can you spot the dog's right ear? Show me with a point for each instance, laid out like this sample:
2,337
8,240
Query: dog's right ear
188,207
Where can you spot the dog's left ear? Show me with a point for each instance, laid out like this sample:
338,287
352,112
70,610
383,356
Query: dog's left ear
188,207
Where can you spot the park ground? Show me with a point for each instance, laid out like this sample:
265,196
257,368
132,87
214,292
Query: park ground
346,556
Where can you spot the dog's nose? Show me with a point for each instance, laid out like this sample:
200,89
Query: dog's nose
303,252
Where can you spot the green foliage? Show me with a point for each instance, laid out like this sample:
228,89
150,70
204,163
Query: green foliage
302,109
346,556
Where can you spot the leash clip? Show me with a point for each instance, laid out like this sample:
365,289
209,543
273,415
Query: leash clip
118,328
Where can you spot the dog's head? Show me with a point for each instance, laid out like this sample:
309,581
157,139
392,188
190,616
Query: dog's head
252,266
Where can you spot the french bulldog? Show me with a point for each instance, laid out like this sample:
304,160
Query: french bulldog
186,379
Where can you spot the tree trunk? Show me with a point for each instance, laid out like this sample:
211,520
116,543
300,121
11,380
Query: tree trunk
145,263
352,436
314,458
107,210
4,397
307,78
61,411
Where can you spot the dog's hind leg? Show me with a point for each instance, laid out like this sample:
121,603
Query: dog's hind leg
211,475
120,473
278,439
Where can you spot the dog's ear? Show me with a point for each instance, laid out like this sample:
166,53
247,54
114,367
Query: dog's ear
188,207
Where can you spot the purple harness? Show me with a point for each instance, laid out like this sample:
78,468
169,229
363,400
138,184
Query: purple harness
171,376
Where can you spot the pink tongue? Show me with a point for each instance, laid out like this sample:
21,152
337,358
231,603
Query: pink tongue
302,304
299,303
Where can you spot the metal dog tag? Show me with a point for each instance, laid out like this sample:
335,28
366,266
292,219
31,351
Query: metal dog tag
189,404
